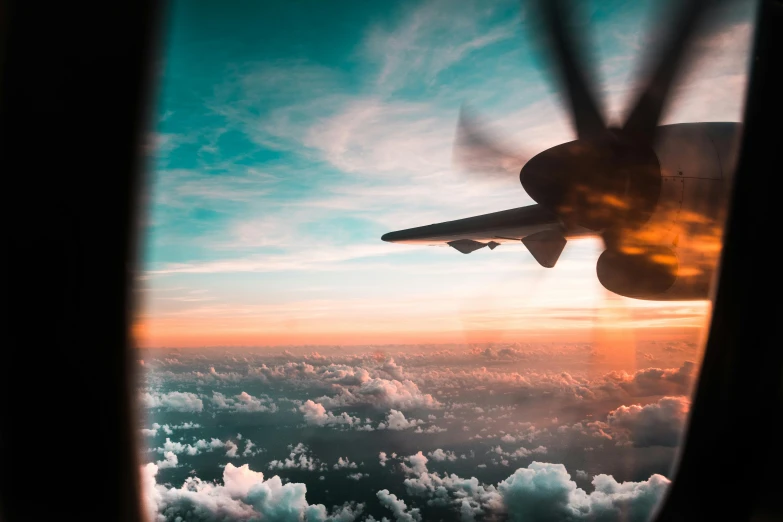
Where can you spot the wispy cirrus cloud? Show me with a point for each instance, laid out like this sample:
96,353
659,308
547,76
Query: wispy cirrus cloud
431,38
271,263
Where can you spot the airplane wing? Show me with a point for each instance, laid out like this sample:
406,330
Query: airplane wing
539,229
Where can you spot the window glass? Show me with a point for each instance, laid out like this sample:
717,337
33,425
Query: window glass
298,367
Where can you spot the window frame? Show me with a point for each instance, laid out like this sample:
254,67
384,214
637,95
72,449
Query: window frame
71,261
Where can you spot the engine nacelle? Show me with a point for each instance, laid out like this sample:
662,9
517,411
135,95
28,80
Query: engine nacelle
641,273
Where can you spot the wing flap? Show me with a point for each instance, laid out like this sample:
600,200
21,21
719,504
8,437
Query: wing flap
545,246
466,246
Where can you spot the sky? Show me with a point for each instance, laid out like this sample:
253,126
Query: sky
288,137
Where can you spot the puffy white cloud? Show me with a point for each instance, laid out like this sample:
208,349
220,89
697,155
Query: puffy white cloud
430,429
383,458
315,414
396,420
173,401
398,507
520,452
418,464
394,370
179,448
655,381
344,463
169,430
344,374
298,458
657,424
248,403
169,460
220,401
231,449
545,491
471,497
244,495
594,429
243,402
249,451
349,512
339,374
285,372
439,455
383,393
357,476
541,491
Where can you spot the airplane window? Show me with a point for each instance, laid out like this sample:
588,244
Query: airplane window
431,260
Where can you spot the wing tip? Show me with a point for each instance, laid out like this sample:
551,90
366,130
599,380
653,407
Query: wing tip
390,237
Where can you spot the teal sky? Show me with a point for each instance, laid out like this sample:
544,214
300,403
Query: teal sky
289,136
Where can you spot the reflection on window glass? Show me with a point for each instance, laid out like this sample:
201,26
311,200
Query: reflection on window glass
532,362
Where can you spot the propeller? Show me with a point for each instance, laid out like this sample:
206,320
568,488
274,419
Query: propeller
608,180
476,151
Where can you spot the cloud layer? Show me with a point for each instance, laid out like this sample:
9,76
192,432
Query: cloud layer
476,432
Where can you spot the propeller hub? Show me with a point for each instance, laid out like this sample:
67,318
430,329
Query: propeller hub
599,183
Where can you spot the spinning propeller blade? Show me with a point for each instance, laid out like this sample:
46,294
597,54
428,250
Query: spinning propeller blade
563,48
478,152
